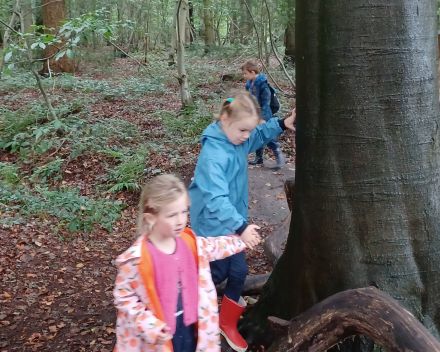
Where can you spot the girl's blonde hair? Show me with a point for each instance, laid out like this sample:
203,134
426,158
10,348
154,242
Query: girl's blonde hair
157,193
239,104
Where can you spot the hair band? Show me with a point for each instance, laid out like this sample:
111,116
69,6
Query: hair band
230,100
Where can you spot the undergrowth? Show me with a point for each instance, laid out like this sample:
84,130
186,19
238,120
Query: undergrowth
32,186
19,201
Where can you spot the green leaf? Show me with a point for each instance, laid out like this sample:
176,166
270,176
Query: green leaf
57,124
60,55
69,53
34,45
107,34
11,66
42,45
8,56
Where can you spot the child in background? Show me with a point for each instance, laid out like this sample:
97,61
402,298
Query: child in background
257,85
164,293
219,194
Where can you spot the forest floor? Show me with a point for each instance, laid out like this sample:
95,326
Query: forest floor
69,189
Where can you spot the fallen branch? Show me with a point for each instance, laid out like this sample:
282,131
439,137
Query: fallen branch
252,285
365,311
273,244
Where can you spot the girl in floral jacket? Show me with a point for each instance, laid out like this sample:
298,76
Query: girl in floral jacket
164,293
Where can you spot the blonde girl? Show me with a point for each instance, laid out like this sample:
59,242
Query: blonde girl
164,293
219,194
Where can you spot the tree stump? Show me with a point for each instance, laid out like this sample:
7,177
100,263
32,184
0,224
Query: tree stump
366,311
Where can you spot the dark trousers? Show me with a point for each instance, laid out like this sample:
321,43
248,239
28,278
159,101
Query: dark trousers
233,268
273,145
184,339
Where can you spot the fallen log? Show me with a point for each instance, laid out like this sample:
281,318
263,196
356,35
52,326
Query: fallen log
273,245
366,311
252,285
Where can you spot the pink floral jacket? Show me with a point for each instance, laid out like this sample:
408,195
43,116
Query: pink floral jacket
137,326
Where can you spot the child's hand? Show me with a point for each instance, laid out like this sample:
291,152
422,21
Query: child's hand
290,120
164,336
250,236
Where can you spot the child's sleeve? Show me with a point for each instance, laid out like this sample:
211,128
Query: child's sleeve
135,314
264,133
213,184
266,112
216,248
248,86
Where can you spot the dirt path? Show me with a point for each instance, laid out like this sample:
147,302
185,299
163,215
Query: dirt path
57,296
266,186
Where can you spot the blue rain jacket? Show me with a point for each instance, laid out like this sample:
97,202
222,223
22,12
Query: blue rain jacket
219,191
261,91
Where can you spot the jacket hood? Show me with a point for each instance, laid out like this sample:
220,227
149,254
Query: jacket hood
214,131
261,79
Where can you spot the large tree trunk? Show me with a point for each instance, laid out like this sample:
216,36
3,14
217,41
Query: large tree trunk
53,12
209,26
366,206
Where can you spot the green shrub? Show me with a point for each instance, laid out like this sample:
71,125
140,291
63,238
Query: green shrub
75,212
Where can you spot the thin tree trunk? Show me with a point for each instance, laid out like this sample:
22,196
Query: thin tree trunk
26,10
34,71
173,43
233,29
182,13
366,201
6,34
289,34
244,24
187,30
191,20
209,26
53,13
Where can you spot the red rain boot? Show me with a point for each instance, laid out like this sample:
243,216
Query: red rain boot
229,314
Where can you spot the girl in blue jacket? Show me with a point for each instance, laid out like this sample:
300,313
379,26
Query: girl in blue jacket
219,194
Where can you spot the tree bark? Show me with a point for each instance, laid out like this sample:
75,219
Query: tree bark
366,204
53,13
366,311
209,25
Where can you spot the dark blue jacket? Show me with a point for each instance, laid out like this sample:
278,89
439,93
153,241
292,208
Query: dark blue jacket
261,91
